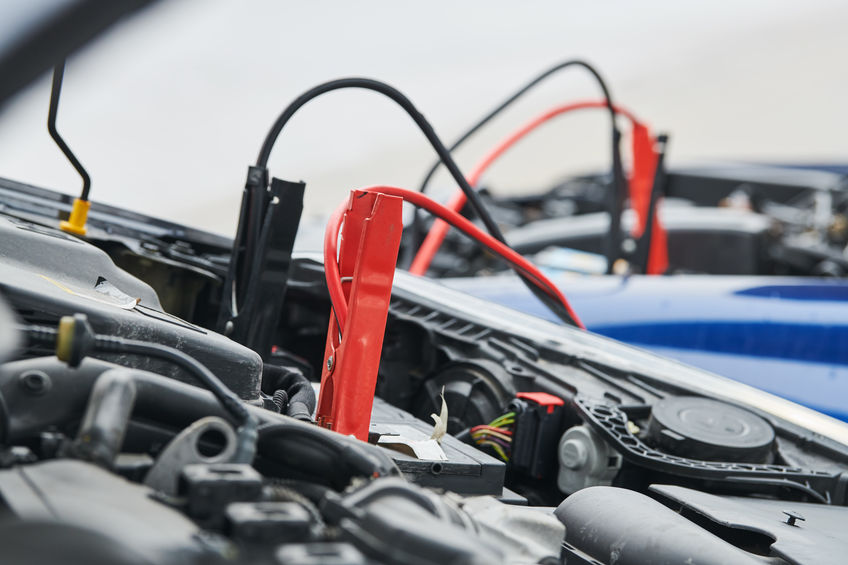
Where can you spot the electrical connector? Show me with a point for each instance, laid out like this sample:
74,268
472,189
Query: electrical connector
538,426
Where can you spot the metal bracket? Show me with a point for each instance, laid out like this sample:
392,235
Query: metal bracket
184,450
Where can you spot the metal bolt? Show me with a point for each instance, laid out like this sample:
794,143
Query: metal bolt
791,516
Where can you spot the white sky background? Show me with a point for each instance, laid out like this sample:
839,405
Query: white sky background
168,110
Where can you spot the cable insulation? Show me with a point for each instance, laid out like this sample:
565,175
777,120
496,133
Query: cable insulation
431,244
617,174
399,98
425,127
520,263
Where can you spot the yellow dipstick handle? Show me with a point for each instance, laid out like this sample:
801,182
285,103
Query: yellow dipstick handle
76,221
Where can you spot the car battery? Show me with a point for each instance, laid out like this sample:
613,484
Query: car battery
464,469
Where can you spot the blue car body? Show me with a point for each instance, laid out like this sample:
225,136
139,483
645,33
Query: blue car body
788,336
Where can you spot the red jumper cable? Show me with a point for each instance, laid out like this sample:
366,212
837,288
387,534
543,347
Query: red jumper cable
370,239
641,182
359,275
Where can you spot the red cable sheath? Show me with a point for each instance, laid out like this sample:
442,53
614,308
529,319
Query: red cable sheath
431,244
331,265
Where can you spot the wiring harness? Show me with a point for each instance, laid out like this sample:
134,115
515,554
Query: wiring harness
496,435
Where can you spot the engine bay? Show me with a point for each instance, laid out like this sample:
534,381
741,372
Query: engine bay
537,417
738,219
171,396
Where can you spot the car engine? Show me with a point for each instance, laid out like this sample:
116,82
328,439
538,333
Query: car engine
558,446
170,396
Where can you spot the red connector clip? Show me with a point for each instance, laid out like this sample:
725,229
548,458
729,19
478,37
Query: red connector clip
370,239
547,401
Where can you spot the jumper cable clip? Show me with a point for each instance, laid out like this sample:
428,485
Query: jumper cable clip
368,248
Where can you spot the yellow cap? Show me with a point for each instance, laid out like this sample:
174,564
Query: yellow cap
65,338
76,221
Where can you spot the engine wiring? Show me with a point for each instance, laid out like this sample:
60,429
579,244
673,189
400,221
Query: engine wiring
518,262
553,298
431,244
496,435
617,197
175,396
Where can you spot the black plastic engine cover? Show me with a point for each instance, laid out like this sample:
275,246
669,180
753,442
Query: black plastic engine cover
617,526
123,514
796,532
46,274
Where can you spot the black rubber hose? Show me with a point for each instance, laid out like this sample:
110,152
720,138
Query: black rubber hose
300,396
247,425
106,418
85,341
231,403
295,449
285,442
617,171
